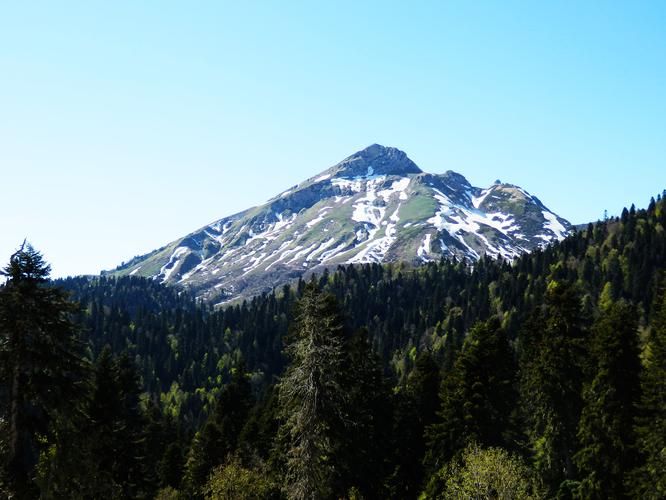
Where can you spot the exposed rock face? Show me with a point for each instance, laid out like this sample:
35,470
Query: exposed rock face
374,206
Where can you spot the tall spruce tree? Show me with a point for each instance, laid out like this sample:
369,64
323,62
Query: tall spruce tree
605,430
312,397
414,409
552,361
115,432
219,437
477,396
648,480
41,364
368,426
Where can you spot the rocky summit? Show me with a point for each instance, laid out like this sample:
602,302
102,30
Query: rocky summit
374,206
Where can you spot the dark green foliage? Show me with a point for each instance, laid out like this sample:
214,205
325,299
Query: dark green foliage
552,361
476,397
365,447
313,403
116,434
104,453
649,479
605,431
170,466
261,426
41,365
415,408
219,436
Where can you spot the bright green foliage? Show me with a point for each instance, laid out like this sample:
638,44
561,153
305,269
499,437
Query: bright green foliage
41,365
233,481
477,396
552,360
485,474
312,397
648,481
605,430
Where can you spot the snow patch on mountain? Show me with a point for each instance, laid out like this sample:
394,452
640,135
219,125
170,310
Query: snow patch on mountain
553,224
424,249
167,270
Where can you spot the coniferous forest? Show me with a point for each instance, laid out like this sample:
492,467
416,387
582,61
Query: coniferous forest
540,378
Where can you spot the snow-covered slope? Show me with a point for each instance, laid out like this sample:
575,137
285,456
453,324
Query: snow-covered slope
375,206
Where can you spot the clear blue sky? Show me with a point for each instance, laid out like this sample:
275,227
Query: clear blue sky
124,125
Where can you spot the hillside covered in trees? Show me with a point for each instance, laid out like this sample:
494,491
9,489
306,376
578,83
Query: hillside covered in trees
540,378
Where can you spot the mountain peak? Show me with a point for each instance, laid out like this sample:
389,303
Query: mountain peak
375,160
374,206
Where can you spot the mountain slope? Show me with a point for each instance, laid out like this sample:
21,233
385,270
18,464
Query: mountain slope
374,206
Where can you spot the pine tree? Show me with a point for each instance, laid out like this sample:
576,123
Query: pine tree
476,398
552,370
115,435
170,467
414,409
605,430
232,410
220,434
368,424
648,480
41,364
312,398
197,466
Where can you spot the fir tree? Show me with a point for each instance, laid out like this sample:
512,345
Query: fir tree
312,398
605,430
41,364
365,447
476,398
115,435
415,408
170,467
552,361
220,434
648,480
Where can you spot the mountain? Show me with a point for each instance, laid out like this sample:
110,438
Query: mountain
376,205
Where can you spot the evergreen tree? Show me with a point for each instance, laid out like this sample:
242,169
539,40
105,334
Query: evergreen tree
197,465
312,398
220,434
414,409
170,467
261,427
552,373
115,435
232,411
605,430
476,398
365,447
41,364
648,480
